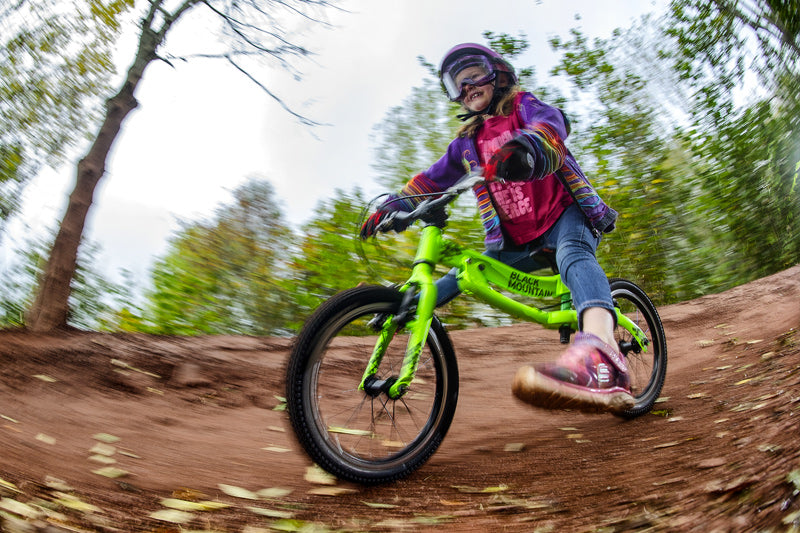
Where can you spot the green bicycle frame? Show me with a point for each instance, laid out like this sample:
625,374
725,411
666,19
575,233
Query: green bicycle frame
477,273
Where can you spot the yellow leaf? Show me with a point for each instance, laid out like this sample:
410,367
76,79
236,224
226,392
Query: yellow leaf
71,502
238,492
172,515
47,439
105,437
271,513
110,471
273,493
348,431
19,508
103,449
315,474
330,491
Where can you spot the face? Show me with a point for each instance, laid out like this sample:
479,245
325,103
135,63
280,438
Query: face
475,97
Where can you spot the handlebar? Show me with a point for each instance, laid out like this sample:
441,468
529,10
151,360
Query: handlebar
404,219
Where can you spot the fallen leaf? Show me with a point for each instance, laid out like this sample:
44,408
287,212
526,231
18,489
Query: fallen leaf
101,448
185,505
173,516
276,449
791,518
793,477
666,445
8,485
45,378
181,505
76,504
111,472
330,491
105,437
19,508
348,431
315,474
238,492
47,439
475,490
273,493
376,505
55,484
103,459
271,513
288,525
514,447
128,453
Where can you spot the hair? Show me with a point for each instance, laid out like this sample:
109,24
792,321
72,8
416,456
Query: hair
503,107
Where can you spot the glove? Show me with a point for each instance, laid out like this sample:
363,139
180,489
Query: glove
512,162
369,227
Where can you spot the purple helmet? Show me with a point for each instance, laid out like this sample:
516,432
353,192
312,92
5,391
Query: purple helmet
473,55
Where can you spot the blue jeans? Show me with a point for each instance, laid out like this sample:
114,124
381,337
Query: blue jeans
575,244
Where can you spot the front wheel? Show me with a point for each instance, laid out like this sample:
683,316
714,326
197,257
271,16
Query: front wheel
357,436
647,365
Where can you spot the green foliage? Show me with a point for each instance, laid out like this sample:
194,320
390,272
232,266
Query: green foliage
326,260
223,275
55,63
95,301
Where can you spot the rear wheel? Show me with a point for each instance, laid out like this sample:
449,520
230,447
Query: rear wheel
647,365
366,436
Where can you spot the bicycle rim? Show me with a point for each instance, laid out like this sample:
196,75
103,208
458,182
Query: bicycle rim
360,437
647,366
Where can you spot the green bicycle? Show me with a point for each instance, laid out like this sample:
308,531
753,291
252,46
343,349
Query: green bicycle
372,380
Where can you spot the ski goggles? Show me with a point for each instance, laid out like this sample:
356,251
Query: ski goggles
455,86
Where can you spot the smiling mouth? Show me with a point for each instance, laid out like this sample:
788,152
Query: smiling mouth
475,94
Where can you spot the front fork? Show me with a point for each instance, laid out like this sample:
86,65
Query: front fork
420,292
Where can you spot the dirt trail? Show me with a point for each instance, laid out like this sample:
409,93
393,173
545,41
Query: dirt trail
192,417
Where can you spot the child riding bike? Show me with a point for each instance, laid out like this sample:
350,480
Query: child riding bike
536,194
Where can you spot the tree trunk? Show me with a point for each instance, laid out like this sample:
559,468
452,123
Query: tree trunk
50,309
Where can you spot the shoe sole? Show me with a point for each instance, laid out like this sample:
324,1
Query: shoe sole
542,391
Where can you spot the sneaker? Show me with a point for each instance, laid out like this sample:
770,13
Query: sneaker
591,376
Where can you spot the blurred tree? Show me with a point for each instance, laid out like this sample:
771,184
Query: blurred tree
95,301
55,61
327,258
254,30
224,275
741,60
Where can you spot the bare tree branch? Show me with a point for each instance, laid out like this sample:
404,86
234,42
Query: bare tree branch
304,120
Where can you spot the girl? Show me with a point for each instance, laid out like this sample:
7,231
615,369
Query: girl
535,194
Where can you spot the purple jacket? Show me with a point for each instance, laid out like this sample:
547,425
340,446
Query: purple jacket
545,128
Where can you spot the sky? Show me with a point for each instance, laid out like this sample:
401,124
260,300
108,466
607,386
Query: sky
202,129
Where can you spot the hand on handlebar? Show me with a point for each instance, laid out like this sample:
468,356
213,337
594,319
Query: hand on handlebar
382,221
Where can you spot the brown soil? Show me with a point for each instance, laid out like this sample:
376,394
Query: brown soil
195,416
